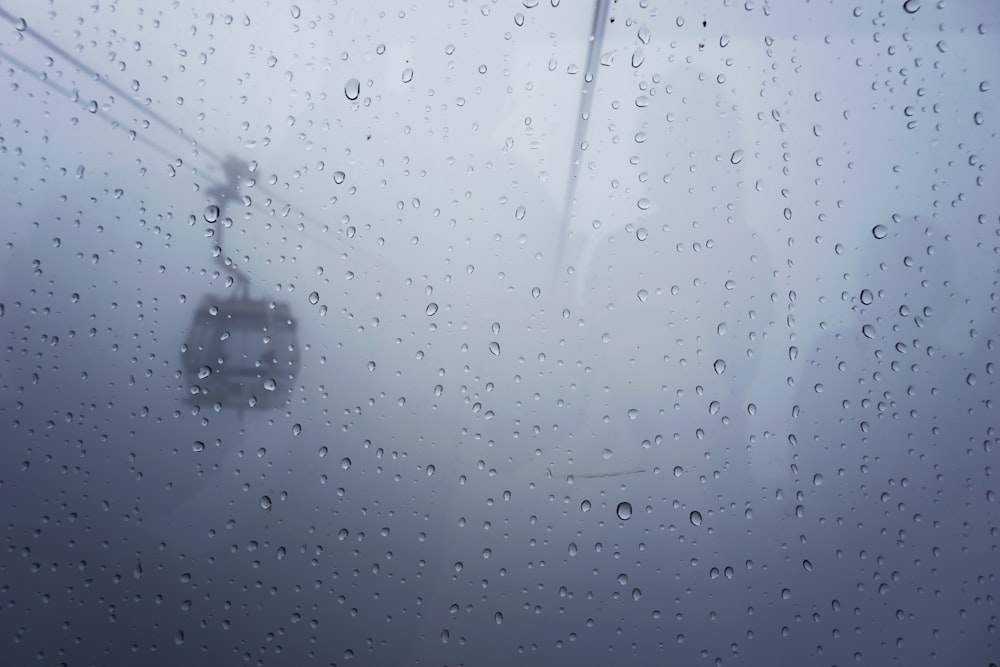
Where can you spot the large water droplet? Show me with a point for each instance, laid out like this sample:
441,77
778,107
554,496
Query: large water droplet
352,89
212,213
431,309
880,231
624,510
695,518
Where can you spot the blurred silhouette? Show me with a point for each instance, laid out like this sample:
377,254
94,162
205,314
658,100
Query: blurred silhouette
240,352
889,441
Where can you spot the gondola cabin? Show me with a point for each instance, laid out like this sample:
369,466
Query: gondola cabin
241,353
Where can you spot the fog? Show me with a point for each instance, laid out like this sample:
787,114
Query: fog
729,401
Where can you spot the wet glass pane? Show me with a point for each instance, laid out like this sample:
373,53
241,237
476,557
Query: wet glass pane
490,333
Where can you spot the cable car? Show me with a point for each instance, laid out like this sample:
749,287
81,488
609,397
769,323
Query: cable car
240,351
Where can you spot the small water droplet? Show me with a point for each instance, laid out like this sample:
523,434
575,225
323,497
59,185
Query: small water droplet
345,463
408,75
719,366
880,231
296,11
495,349
642,295
314,298
296,429
642,234
270,384
737,156
265,502
204,372
585,506
911,6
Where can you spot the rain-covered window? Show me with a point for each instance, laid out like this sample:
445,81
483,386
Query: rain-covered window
554,332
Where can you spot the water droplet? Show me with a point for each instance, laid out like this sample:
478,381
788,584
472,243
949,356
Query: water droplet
970,379
867,297
911,6
338,177
719,366
978,118
807,565
737,156
636,594
265,502
695,518
642,234
868,331
643,34
498,618
536,292
408,75
624,511
642,295
296,429
572,549
296,11
212,213
270,384
678,471
198,446
724,41
495,349
179,637
314,298
880,231
345,463
352,89
585,506
204,372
